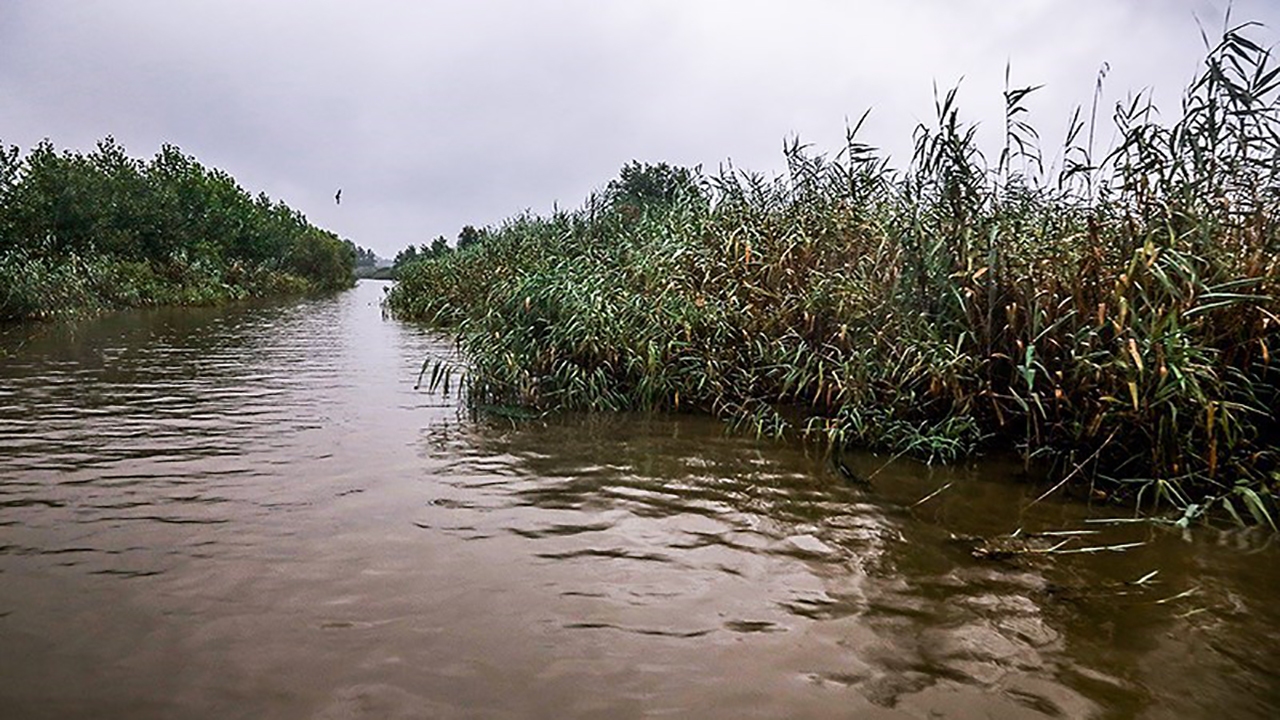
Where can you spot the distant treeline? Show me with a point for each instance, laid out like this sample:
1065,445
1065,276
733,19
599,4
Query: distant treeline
1114,315
103,230
439,247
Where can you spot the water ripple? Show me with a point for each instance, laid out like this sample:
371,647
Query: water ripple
249,511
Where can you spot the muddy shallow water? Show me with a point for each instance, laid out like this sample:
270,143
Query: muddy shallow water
250,512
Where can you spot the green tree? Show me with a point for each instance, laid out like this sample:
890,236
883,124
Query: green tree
640,185
104,229
365,257
404,257
469,236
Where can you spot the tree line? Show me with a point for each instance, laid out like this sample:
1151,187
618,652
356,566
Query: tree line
84,231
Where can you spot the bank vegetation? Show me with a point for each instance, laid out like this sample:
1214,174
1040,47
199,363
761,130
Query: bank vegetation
1111,315
83,232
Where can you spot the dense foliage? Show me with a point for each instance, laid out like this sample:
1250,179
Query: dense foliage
103,230
1114,316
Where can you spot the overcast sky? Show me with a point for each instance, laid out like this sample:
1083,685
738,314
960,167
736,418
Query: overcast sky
438,113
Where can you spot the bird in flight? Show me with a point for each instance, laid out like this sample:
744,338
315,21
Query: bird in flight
337,197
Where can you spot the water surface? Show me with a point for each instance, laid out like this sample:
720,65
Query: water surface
250,512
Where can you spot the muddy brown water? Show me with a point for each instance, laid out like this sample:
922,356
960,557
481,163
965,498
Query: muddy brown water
250,512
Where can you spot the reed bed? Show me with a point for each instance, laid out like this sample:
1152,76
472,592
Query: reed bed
1112,317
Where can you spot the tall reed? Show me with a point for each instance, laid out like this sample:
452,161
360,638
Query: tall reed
1114,316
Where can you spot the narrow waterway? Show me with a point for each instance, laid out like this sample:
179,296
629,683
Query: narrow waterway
250,512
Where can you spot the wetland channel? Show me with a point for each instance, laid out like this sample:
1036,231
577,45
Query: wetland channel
250,512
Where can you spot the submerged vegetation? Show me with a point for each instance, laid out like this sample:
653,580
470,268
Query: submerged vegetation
82,232
1114,317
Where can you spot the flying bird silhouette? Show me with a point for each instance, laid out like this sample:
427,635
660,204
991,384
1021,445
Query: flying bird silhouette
337,197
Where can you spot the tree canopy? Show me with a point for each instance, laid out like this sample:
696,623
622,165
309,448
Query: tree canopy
104,228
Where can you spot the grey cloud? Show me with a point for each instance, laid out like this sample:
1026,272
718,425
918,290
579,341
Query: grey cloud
435,114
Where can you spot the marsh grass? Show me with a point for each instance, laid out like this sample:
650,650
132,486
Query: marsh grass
1113,317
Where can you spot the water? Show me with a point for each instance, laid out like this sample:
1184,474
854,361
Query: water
250,513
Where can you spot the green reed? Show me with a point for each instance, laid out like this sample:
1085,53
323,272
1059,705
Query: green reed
1114,316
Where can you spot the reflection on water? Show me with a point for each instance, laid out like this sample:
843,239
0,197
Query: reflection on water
249,512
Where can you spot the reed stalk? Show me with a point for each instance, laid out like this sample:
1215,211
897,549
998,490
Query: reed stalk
1114,317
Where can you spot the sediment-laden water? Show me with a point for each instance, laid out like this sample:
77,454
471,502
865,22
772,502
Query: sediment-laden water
250,512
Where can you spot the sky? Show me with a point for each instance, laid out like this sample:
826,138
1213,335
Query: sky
434,114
